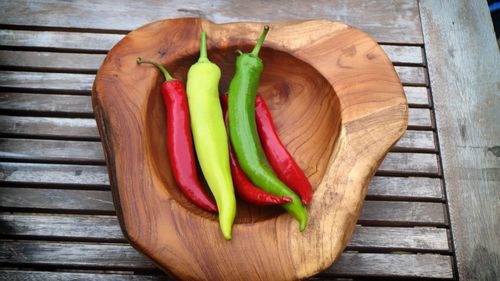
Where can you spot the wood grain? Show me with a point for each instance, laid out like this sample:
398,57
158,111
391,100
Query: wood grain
464,68
126,105
371,16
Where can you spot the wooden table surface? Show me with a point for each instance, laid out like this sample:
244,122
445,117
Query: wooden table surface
431,209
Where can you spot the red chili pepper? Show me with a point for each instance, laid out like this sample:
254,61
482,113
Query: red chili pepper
180,142
245,189
280,159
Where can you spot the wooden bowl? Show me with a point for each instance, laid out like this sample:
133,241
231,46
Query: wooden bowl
338,106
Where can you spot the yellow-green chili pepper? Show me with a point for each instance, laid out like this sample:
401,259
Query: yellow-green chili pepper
209,135
243,131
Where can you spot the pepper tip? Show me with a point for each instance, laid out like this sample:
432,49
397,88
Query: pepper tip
303,226
303,223
138,60
227,236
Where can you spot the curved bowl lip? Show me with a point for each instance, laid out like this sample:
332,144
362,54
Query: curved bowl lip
106,131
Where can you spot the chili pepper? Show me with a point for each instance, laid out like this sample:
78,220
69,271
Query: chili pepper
280,159
243,131
209,135
245,189
179,140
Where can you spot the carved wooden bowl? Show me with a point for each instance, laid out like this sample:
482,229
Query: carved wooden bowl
338,106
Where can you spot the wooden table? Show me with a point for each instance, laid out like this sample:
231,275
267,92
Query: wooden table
431,210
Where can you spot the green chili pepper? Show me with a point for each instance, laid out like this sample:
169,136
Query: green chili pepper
209,135
244,135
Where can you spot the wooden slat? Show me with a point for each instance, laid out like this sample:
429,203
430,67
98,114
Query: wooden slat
402,213
23,275
410,75
412,141
42,174
464,68
395,21
400,54
51,150
416,141
92,201
97,175
106,228
412,163
52,60
91,62
46,104
49,127
57,200
64,151
420,118
83,128
411,188
116,256
75,41
414,266
400,238
83,82
62,227
65,104
87,176
417,96
63,82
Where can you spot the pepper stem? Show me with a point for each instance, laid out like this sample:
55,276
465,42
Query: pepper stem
167,75
203,48
257,47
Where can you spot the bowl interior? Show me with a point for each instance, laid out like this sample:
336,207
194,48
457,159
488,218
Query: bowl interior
304,106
